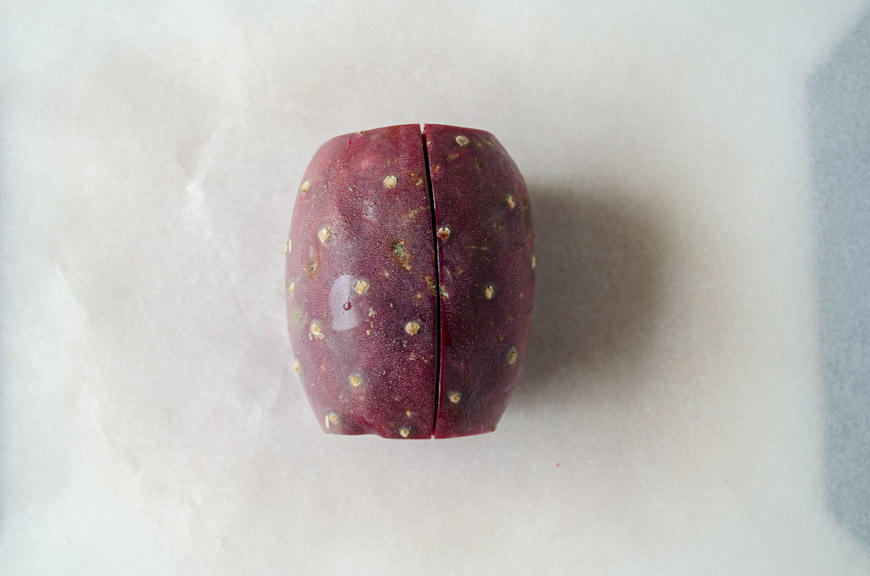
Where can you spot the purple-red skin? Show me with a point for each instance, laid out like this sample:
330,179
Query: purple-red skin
486,270
347,194
369,326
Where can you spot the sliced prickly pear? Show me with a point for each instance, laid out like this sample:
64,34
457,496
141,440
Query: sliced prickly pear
485,267
360,258
404,321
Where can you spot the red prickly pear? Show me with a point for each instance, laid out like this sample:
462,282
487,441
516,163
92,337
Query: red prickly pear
486,271
410,281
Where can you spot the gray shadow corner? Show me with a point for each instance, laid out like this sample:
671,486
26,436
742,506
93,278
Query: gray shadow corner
838,106
597,292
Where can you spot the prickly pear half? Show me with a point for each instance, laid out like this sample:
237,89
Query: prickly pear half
410,281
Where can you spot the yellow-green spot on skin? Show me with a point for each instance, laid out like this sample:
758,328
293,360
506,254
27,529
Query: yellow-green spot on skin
533,262
411,214
442,289
323,234
412,328
296,316
405,431
512,356
371,312
455,397
402,256
312,261
297,366
462,141
489,291
305,187
291,288
288,246
391,181
315,331
430,282
355,380
510,201
443,233
408,413
416,178
331,418
361,286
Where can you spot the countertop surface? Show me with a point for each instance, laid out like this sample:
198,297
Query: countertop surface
696,394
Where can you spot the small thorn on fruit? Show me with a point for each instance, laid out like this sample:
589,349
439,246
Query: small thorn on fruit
361,286
316,331
323,234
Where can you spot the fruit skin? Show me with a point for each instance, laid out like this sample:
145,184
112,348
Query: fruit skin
381,236
487,275
363,302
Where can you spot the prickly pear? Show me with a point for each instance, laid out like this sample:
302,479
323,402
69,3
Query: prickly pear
410,281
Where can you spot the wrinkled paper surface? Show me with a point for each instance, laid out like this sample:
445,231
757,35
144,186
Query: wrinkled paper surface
679,412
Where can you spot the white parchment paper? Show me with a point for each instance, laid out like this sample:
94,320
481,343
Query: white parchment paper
671,417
